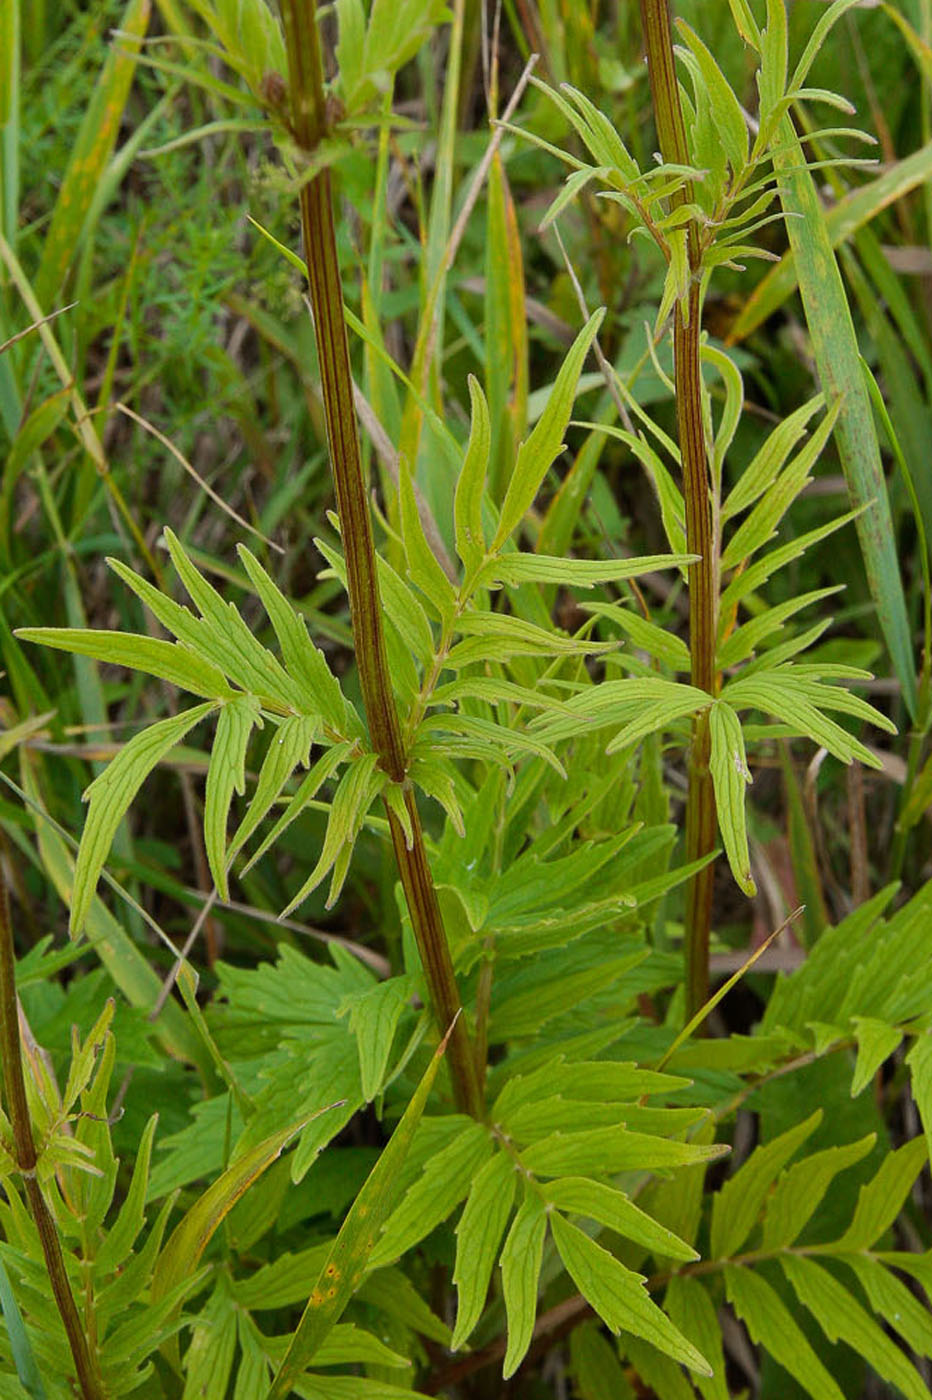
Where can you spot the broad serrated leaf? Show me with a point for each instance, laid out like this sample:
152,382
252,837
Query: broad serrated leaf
351,1253
392,1292
842,1318
772,1326
527,1011
801,1189
613,1209
226,774
662,1376
618,1295
520,1262
600,1081
738,1203
110,795
208,1360
877,1040
594,1365
730,777
444,1182
881,1199
478,1236
538,452
347,1345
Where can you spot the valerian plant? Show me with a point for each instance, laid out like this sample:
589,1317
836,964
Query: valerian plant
549,1160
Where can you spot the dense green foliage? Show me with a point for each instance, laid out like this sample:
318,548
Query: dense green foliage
239,1152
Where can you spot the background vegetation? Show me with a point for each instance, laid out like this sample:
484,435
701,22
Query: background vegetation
225,1105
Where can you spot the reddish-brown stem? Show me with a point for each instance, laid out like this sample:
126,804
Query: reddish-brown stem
24,1151
700,803
309,126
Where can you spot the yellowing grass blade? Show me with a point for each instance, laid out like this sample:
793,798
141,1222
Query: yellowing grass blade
841,221
92,150
346,1263
835,347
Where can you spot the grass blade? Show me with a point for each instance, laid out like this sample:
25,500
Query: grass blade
835,346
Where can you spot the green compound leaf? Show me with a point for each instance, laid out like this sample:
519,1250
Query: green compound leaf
881,1199
877,1041
688,1303
538,452
470,486
613,1209
289,748
305,663
478,1236
772,1326
111,794
730,777
738,1203
842,1318
149,654
423,568
800,1191
724,105
919,1061
226,774
445,1181
619,1296
521,1261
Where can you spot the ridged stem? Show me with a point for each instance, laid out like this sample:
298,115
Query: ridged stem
700,802
24,1151
309,126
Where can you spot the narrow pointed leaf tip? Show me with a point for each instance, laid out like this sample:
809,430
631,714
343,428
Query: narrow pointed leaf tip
538,452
